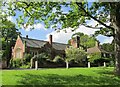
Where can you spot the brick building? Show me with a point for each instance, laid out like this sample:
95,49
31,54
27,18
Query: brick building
33,46
26,45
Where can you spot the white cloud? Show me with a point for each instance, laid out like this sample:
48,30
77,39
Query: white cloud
63,37
36,26
39,26
27,28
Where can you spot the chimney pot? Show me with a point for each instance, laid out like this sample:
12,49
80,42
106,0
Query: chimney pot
50,39
26,36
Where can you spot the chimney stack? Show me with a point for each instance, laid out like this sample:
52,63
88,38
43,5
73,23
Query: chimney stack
77,41
50,39
26,36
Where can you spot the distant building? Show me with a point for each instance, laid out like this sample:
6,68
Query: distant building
97,49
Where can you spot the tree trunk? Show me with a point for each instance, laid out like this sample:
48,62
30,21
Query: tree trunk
67,65
115,20
117,50
117,43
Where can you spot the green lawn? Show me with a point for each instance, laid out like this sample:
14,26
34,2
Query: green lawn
72,77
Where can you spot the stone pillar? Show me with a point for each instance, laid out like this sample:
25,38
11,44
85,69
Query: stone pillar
88,64
31,64
104,64
36,65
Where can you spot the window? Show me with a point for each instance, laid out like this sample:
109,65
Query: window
18,53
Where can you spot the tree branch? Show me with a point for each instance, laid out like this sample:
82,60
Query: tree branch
91,26
80,6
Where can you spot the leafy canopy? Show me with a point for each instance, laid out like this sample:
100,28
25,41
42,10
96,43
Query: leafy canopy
74,54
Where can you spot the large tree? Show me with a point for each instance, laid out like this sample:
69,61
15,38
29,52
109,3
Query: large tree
79,12
108,47
9,36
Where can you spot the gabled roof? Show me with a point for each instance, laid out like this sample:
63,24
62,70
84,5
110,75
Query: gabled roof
40,43
59,46
33,42
96,49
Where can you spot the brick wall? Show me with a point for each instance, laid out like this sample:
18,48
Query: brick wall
18,49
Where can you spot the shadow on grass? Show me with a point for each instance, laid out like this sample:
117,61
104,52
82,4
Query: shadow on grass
54,80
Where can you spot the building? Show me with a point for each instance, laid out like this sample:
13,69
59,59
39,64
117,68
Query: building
104,55
27,45
97,49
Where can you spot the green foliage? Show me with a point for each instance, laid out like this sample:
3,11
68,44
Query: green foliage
85,40
42,57
25,66
27,58
16,63
111,64
94,57
52,14
74,54
108,47
58,59
9,36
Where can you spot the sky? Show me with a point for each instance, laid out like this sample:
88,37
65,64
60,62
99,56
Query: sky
41,33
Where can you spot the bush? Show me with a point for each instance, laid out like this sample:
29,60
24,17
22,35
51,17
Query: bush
25,66
16,63
27,58
58,59
111,64
41,57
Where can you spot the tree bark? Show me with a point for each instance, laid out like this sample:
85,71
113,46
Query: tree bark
117,50
115,20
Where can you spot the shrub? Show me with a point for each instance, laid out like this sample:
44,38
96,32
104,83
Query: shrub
26,66
111,64
16,63
27,58
58,59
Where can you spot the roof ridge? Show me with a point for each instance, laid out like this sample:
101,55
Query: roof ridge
34,39
44,41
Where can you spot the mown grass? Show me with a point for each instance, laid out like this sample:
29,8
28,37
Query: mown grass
61,77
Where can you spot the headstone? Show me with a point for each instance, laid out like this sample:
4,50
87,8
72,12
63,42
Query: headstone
36,65
88,64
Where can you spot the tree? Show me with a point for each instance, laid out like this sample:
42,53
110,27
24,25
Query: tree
9,35
85,40
108,47
74,54
95,58
79,14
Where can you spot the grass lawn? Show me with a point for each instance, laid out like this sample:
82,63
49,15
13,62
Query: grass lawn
65,77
